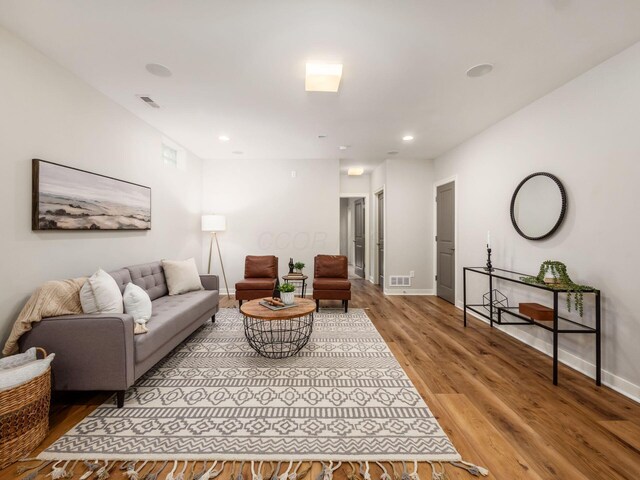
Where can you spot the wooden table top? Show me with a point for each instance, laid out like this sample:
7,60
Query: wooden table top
294,277
253,309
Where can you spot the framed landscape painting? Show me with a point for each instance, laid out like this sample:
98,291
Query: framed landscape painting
66,198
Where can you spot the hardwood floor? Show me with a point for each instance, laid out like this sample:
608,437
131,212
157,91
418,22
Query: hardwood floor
492,395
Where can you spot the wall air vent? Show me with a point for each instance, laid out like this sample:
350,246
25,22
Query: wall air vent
399,281
147,99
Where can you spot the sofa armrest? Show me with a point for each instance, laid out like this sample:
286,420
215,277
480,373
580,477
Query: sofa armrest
93,352
210,282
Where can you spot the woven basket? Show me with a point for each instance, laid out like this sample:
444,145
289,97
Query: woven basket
24,417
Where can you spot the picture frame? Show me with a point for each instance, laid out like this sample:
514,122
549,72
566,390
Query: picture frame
66,198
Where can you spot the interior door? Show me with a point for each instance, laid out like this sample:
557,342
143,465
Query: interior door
380,242
358,235
445,242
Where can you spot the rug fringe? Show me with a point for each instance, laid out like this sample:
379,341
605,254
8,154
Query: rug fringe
134,470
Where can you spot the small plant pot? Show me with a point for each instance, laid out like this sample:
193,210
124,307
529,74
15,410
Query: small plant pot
287,297
550,277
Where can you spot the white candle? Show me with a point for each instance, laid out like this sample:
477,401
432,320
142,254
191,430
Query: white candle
488,239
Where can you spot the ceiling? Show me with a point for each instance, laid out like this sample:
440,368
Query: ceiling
238,66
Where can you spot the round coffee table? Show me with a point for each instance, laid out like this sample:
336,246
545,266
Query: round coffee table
278,333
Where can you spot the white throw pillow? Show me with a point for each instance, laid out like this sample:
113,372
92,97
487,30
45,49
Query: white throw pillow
101,294
12,377
182,276
137,304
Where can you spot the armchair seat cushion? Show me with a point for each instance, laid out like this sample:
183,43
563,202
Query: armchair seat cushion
331,284
171,315
256,284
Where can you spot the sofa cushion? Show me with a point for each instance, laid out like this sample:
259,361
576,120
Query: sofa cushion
331,266
122,278
171,315
256,284
150,277
260,266
331,284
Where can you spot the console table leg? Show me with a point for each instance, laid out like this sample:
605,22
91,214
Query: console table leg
464,294
598,346
490,299
555,338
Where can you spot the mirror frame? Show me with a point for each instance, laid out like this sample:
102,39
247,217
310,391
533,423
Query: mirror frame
563,194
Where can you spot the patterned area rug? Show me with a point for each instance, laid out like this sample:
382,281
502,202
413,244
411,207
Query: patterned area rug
343,397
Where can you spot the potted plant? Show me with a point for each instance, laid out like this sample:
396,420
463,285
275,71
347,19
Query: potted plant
299,266
554,274
287,293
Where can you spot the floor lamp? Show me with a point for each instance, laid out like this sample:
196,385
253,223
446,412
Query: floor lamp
215,224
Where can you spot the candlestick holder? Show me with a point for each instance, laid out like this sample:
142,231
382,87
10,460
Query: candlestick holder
489,267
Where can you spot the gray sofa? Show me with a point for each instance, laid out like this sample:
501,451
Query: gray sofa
100,351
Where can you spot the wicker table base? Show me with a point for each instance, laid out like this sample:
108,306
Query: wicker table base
278,333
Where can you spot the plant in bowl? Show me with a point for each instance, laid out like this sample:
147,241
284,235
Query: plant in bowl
299,266
287,293
553,274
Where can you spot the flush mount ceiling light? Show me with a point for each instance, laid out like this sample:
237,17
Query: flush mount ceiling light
158,70
407,138
224,138
323,77
479,70
344,147
392,152
355,171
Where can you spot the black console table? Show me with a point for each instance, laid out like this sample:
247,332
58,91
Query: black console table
557,326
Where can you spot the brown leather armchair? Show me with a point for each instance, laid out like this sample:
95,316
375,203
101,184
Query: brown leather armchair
260,277
331,280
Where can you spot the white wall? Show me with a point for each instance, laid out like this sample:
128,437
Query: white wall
409,217
49,113
270,213
586,133
355,184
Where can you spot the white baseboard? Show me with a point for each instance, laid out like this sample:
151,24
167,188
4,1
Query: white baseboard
609,379
410,291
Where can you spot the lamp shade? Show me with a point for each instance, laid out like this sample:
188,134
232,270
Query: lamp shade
214,223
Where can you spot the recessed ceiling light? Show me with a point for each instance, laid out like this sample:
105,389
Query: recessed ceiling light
479,70
355,171
158,70
407,138
224,138
323,77
392,152
237,152
343,147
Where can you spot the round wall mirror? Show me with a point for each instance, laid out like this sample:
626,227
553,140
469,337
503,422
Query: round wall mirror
538,206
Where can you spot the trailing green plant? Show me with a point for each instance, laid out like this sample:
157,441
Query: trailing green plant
287,288
299,266
564,282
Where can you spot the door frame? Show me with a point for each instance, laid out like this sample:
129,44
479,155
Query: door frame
374,215
367,263
444,181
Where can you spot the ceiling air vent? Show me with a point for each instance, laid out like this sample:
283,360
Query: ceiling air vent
146,99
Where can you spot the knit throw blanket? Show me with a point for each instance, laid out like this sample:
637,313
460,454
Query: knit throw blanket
57,297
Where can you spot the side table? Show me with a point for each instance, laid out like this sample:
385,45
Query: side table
300,281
